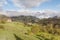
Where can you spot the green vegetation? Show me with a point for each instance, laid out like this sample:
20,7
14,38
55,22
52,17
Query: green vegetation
19,31
45,29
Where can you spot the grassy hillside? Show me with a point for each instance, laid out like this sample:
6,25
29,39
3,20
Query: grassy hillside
20,31
29,28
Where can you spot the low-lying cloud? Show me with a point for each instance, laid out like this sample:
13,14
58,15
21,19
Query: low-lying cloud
43,14
49,13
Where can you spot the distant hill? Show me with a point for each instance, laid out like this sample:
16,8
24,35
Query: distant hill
53,20
26,19
31,19
2,16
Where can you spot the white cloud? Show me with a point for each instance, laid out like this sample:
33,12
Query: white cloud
58,6
51,13
2,3
47,13
28,3
39,14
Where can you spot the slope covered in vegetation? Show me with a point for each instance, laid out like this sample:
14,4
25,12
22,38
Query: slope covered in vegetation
44,29
19,31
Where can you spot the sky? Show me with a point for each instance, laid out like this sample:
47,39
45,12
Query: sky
34,5
50,7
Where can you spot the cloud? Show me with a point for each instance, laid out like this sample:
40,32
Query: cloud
15,13
47,13
58,6
28,3
51,13
2,3
42,14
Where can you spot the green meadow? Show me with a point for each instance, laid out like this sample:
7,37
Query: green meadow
20,31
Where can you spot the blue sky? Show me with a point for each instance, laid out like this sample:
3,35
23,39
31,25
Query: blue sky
10,6
51,4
